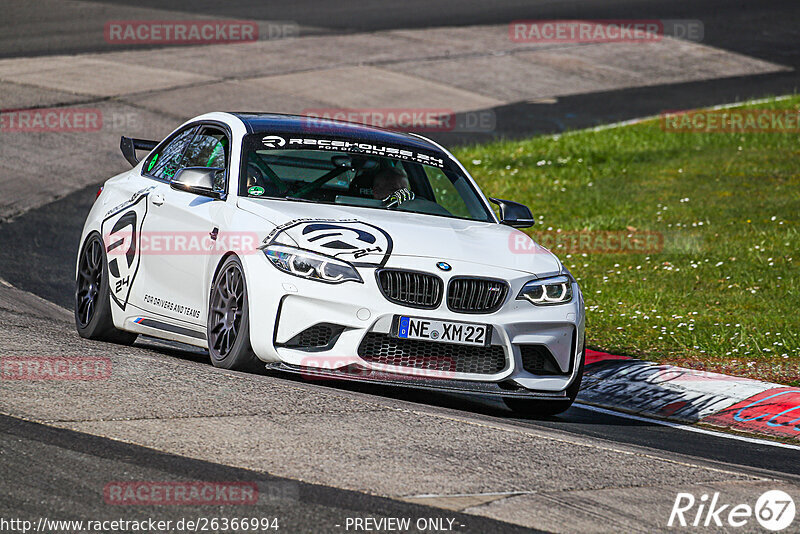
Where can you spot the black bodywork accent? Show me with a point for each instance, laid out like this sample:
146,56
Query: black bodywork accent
538,360
316,338
415,289
277,123
152,323
475,294
514,214
355,373
129,146
421,354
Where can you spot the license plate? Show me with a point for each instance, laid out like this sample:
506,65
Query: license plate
443,331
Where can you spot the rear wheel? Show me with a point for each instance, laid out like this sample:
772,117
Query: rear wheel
92,296
544,408
229,320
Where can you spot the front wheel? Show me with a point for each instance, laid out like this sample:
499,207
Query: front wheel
229,320
93,298
545,408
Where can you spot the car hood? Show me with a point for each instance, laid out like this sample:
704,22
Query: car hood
370,237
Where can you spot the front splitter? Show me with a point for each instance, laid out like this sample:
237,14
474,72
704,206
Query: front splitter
351,373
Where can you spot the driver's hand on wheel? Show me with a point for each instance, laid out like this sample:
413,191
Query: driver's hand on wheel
398,197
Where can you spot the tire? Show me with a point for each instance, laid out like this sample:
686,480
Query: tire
228,326
543,408
93,298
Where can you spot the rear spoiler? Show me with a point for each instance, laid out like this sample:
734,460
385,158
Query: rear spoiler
129,146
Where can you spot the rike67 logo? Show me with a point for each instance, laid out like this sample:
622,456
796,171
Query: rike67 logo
774,510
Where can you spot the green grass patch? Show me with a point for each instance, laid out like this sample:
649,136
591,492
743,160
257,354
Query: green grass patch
724,292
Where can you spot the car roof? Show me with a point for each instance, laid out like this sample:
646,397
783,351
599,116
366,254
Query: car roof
300,124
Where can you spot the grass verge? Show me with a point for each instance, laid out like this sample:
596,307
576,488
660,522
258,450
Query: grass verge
721,289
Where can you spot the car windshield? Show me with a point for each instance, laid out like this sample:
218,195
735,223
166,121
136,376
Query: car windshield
357,174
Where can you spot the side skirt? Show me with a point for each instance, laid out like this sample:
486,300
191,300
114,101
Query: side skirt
163,330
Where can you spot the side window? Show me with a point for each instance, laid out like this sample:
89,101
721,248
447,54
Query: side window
446,193
209,148
167,161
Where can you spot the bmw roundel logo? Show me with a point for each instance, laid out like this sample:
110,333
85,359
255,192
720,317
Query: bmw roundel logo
443,265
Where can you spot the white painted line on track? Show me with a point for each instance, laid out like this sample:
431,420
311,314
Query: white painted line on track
688,428
487,494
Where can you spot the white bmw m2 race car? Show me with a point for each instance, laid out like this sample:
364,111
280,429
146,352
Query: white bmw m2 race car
333,250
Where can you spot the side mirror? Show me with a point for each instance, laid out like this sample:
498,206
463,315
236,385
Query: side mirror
514,214
197,180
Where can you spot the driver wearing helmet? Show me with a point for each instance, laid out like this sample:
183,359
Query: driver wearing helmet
392,187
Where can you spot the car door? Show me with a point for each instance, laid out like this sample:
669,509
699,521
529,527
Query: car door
123,225
179,233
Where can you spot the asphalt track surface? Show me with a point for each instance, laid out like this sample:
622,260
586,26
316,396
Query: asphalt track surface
766,29
39,249
47,238
62,470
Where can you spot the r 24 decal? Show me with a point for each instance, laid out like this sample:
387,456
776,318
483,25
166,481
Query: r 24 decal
122,240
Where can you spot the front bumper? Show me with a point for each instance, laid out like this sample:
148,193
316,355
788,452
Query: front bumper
282,306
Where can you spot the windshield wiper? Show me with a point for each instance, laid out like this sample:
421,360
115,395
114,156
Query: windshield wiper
300,199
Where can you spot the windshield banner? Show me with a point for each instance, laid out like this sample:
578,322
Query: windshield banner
352,146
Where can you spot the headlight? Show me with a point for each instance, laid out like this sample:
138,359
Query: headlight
548,291
310,265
